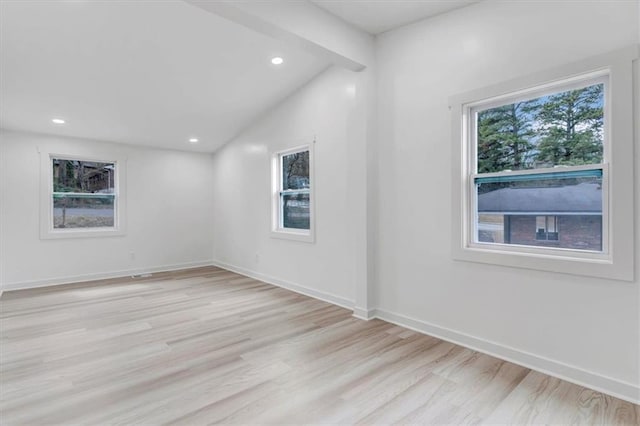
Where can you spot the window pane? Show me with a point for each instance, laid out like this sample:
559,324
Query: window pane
564,128
551,210
295,171
490,228
82,176
295,211
83,212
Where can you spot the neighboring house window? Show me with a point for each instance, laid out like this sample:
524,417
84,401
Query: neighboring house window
535,154
293,194
82,197
547,228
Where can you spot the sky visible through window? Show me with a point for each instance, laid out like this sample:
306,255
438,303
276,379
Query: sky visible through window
561,129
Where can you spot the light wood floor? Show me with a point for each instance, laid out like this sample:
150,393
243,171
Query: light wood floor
210,346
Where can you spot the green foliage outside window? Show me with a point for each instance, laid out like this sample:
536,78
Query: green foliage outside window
560,129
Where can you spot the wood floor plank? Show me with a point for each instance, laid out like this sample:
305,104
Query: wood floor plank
208,346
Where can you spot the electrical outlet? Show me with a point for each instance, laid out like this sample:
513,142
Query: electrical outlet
132,255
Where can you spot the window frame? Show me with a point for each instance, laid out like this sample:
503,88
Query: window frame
616,261
277,230
47,230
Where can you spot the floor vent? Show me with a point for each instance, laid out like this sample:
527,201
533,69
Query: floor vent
141,276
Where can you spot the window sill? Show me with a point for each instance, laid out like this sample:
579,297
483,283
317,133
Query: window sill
561,261
81,233
290,234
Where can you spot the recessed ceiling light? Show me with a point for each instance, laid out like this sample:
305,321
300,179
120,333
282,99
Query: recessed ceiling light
277,60
57,121
193,140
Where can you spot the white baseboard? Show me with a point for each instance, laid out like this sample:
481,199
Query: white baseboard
316,294
573,374
363,313
600,383
23,285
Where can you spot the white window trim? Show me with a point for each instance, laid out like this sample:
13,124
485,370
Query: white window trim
47,231
303,235
617,262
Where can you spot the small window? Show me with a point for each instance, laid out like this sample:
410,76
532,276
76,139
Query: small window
83,194
292,195
542,170
81,197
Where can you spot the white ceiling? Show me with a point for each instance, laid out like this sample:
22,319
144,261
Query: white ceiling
150,72
378,16
157,73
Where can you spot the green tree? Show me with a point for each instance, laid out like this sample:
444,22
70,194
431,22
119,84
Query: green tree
571,127
296,170
505,137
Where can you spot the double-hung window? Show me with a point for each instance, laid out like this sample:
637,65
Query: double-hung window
540,158
534,166
84,194
81,197
292,194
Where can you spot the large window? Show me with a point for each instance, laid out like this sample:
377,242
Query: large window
292,194
81,196
543,169
540,156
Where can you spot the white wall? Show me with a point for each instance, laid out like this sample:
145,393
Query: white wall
330,108
581,328
584,329
169,215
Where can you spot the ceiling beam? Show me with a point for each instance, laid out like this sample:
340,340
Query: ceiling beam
302,24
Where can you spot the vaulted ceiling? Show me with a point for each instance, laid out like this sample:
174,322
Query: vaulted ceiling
149,73
158,73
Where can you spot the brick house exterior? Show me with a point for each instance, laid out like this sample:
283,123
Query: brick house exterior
564,216
573,231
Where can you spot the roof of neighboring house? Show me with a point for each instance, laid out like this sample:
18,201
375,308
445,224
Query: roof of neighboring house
584,198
